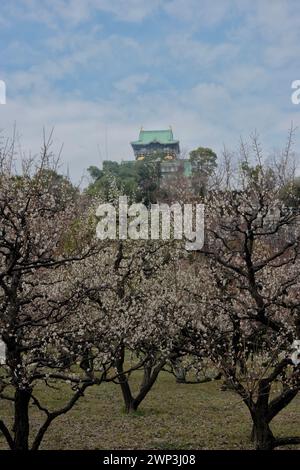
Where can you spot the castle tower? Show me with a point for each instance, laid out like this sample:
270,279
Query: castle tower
156,142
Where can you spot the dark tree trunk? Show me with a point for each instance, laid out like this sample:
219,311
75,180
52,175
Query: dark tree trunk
123,379
149,379
150,375
263,412
262,435
146,376
128,398
21,423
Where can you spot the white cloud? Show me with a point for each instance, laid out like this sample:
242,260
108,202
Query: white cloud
215,87
132,83
207,114
245,78
204,14
128,10
74,12
186,49
87,53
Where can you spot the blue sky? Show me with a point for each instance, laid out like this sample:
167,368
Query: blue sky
97,70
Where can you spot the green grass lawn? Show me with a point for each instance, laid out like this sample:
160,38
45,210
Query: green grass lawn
173,416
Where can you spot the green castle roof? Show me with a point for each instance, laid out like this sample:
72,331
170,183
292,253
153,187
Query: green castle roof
161,137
